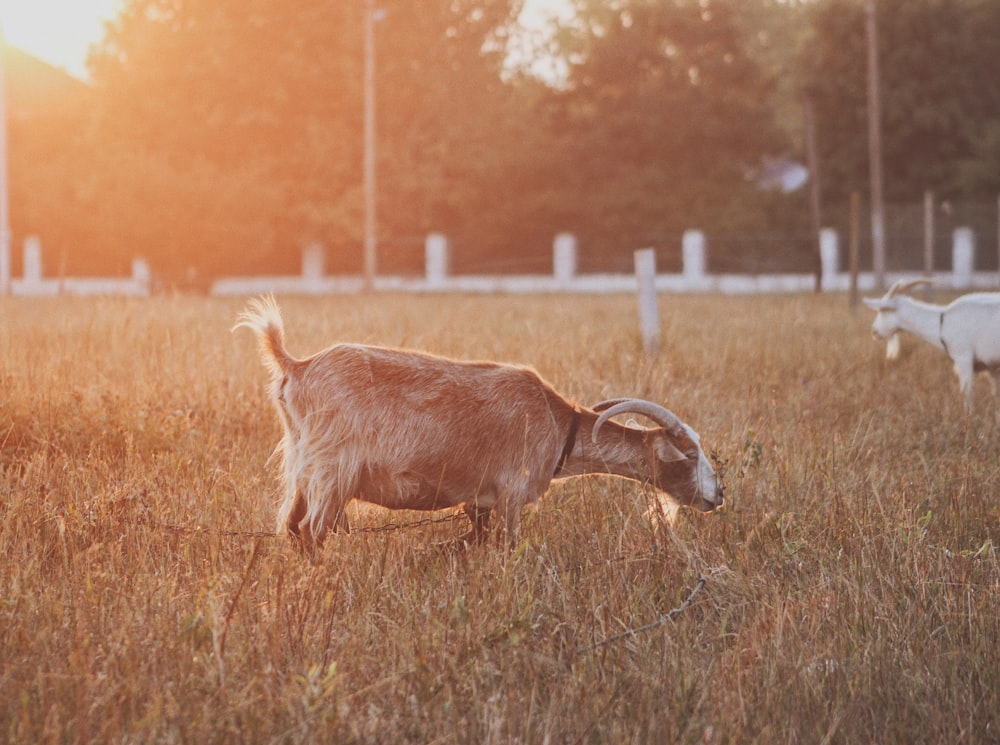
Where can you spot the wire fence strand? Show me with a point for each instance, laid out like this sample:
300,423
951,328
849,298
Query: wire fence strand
384,528
631,633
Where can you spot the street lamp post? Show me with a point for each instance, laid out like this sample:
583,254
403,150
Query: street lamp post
875,148
4,196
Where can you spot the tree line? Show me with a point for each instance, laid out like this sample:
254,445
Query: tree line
222,136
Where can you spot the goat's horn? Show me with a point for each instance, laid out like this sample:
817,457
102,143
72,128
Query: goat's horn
662,416
902,285
609,403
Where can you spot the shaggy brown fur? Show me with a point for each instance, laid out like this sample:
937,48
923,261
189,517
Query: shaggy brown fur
409,430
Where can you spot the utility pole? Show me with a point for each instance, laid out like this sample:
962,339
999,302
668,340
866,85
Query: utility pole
371,242
4,189
875,148
812,159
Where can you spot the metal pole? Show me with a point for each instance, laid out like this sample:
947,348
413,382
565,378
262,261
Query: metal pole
812,158
854,248
371,243
928,236
4,190
875,148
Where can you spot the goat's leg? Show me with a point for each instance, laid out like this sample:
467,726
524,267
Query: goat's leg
480,518
964,370
293,522
340,523
995,381
333,518
509,511
512,521
298,526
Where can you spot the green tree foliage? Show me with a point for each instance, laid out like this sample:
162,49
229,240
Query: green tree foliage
664,114
939,96
272,94
664,117
978,170
46,123
246,98
774,33
447,125
228,134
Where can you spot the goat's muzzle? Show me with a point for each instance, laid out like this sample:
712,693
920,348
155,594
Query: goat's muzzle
704,504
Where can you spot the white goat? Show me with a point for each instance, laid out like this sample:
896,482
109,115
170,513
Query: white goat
967,329
408,430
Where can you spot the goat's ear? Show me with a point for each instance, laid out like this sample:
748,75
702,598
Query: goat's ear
878,303
667,452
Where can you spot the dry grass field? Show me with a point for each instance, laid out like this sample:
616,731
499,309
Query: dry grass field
852,583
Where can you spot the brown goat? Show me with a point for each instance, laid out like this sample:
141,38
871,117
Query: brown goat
409,430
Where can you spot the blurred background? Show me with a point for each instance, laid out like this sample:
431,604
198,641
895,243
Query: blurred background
221,137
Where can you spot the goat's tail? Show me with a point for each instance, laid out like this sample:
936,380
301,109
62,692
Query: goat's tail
263,317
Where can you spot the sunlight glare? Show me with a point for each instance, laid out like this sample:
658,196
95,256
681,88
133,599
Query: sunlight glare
57,31
537,19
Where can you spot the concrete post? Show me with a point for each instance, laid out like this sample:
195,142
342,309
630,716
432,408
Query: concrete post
649,311
141,274
313,261
829,257
32,259
963,256
693,255
564,257
436,259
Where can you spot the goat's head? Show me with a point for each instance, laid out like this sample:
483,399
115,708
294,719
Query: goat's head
886,324
681,468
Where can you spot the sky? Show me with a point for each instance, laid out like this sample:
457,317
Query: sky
57,31
61,31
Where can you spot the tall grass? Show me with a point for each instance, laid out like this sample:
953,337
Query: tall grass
852,583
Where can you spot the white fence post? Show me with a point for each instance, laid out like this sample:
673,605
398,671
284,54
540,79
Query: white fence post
649,312
829,257
436,259
564,257
313,261
141,275
693,256
963,256
32,260
6,285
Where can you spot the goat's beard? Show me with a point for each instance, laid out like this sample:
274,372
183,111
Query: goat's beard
892,347
662,510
